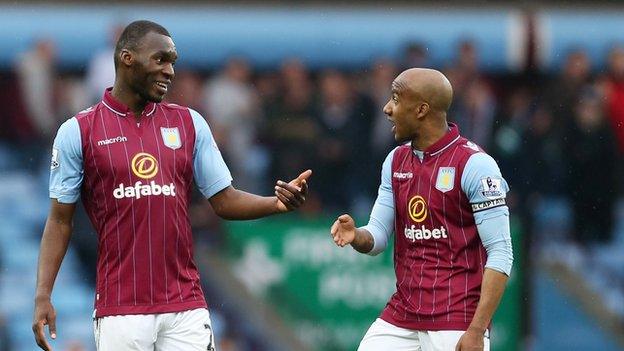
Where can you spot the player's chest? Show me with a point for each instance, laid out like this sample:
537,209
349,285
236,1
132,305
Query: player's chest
431,185
125,148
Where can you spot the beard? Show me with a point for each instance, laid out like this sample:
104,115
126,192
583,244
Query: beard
144,86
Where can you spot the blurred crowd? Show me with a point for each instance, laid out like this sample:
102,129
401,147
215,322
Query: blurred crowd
557,136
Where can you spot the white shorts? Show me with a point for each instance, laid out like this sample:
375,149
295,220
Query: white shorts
384,336
188,330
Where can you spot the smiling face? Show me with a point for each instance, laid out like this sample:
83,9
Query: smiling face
152,70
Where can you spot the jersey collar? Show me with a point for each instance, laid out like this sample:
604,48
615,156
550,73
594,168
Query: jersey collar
120,109
447,140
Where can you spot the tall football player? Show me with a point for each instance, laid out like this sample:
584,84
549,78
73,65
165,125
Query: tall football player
133,160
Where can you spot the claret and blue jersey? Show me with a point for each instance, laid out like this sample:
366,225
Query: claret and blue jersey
446,206
135,181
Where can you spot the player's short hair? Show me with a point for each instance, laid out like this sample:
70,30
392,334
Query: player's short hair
131,36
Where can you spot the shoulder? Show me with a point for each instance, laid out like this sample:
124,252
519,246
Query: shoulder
468,148
69,127
481,162
399,151
174,110
68,135
87,113
173,107
467,152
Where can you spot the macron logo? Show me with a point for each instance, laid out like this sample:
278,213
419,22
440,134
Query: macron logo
119,139
400,175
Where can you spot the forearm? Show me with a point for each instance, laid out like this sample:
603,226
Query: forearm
492,289
54,243
241,205
363,241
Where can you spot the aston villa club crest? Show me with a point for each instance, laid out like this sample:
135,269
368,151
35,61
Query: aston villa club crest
171,137
446,179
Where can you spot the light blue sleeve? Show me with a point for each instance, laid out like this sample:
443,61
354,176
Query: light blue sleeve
211,173
66,167
486,190
381,222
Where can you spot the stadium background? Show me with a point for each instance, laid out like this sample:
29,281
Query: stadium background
288,87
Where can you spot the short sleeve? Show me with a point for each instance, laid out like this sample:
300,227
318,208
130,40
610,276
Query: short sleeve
484,185
211,173
66,166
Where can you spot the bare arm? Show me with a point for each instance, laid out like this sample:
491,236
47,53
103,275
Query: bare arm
231,203
492,289
54,244
363,241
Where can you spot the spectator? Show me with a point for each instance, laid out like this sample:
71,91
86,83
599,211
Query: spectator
474,105
414,55
234,112
186,90
591,147
100,69
563,91
542,176
291,121
614,92
512,121
36,74
344,119
382,72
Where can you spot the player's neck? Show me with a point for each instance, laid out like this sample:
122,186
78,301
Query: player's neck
429,135
126,96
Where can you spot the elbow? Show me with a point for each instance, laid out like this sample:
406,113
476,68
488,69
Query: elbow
222,212
221,201
374,252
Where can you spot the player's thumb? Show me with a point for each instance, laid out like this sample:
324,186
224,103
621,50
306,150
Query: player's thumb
345,218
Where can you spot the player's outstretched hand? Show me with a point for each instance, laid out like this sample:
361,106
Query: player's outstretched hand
343,230
44,315
293,194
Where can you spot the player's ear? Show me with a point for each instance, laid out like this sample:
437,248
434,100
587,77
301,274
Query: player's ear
126,57
422,109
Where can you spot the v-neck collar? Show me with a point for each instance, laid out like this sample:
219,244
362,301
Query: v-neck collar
121,109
